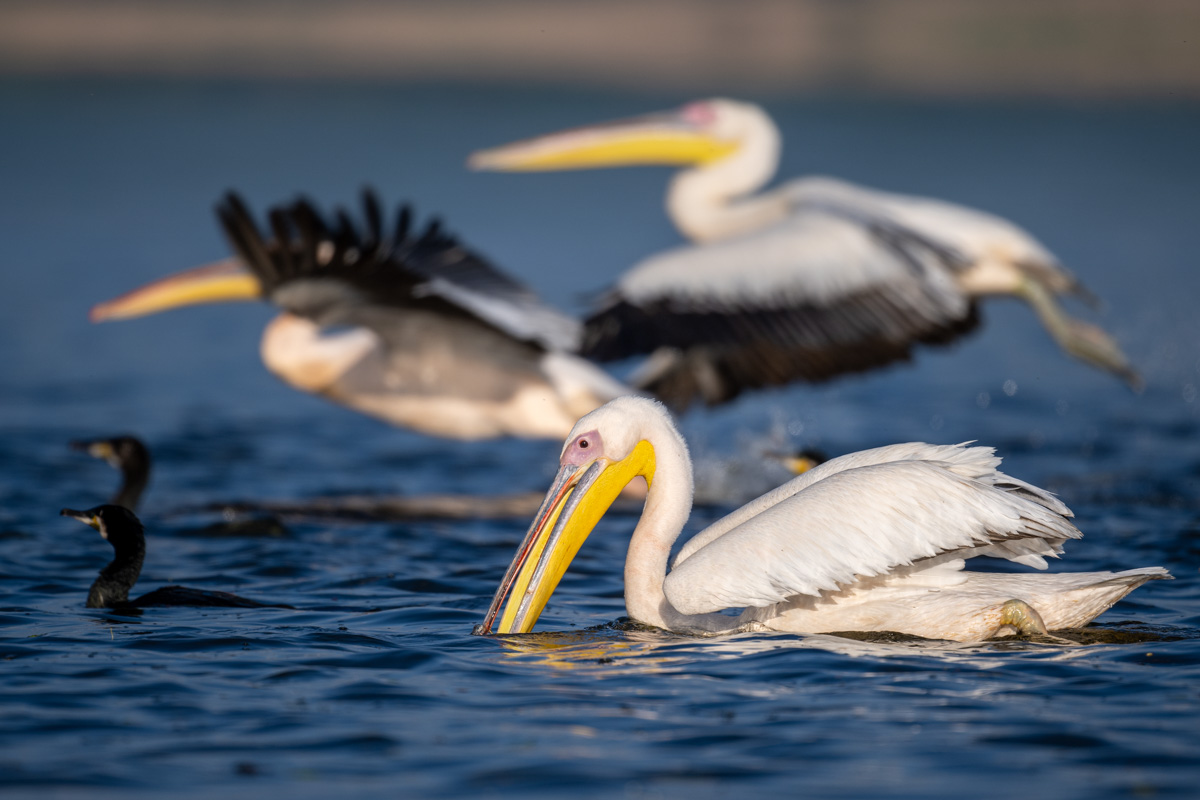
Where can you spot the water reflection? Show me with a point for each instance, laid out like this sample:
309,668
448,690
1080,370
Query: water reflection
626,648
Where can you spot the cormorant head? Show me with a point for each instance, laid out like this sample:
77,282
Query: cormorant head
117,524
120,452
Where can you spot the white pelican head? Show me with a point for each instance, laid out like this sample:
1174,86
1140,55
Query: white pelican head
728,148
605,450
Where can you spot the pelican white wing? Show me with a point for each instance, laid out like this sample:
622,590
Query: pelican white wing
825,291
827,535
977,463
974,233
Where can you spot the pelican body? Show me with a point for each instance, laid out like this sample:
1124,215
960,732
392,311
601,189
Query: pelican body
412,328
810,280
872,541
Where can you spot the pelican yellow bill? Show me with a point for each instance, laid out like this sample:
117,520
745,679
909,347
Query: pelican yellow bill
222,281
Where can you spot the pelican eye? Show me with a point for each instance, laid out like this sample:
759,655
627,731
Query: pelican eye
584,449
701,113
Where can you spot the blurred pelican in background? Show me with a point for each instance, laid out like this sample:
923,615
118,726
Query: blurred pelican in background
412,328
871,541
810,280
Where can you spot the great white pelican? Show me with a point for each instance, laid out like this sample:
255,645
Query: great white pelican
810,280
871,541
411,327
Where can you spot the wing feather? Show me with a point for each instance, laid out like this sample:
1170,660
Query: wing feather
820,294
827,536
978,463
336,274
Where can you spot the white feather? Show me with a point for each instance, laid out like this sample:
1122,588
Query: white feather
825,537
970,462
529,321
814,257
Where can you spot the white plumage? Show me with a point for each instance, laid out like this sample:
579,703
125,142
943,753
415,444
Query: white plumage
871,541
810,280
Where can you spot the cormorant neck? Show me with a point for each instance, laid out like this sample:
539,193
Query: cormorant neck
117,579
135,475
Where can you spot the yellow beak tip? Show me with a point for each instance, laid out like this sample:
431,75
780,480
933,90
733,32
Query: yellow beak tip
101,312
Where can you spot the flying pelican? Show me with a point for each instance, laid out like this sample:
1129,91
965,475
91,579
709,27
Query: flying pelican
414,329
871,541
813,279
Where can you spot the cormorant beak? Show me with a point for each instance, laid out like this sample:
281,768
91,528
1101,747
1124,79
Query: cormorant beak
578,498
86,517
99,449
677,137
220,281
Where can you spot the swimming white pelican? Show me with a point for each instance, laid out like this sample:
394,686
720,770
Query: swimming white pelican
425,333
810,280
871,541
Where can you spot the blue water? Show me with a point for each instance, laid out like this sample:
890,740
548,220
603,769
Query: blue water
373,686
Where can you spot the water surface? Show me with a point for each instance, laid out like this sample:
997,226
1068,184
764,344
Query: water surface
373,685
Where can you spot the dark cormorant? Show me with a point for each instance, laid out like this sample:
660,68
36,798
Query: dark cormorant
123,530
130,456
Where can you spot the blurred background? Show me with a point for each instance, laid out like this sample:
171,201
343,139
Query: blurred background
1047,48
125,121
